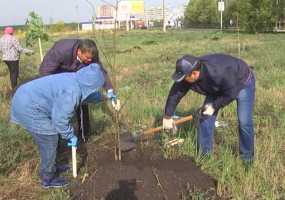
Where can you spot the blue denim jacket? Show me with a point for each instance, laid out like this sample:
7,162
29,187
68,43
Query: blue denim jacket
46,105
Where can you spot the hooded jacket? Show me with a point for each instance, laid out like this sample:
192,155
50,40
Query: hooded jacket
221,77
46,105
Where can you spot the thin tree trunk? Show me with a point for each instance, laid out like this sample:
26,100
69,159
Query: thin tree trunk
41,50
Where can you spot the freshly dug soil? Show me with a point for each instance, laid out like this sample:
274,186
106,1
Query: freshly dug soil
142,174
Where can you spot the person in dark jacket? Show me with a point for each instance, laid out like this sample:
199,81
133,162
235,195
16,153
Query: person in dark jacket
222,79
45,107
70,55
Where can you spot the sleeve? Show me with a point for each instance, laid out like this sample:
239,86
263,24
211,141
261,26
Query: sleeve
177,91
19,48
107,84
95,97
51,62
62,111
1,46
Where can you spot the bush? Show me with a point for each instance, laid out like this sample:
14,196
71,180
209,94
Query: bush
57,27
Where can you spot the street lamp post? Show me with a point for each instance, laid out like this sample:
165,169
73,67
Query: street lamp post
221,8
163,13
77,15
93,14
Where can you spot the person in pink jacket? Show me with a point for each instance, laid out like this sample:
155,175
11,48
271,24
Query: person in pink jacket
11,51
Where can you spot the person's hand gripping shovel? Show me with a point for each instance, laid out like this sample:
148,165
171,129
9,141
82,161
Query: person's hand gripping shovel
73,142
130,142
116,106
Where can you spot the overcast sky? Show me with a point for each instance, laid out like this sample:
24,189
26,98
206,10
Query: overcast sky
15,12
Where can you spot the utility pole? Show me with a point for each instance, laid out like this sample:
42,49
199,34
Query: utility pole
163,15
93,14
77,15
128,22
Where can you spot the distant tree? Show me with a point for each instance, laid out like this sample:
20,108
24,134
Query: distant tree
35,31
279,10
201,13
57,27
231,13
250,15
257,15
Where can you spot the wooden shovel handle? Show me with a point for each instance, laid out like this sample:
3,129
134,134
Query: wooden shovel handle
177,122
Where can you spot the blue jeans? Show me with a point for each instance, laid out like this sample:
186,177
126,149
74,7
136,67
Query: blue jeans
47,145
245,105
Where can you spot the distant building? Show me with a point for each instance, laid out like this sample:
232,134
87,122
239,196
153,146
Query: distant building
172,17
132,13
86,26
155,13
106,11
105,18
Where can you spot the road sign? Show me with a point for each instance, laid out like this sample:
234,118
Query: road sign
221,6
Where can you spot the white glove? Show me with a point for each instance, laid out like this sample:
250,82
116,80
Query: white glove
221,124
168,123
29,52
208,109
116,104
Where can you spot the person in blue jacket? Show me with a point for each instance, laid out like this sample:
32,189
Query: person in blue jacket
70,55
45,106
222,79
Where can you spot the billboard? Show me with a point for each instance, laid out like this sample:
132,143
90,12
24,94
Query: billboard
131,7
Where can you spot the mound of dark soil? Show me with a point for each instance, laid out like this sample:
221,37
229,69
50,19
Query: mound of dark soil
142,175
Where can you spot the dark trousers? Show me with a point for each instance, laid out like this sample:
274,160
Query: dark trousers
47,145
82,115
13,67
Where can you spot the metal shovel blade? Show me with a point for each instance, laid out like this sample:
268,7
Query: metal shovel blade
128,142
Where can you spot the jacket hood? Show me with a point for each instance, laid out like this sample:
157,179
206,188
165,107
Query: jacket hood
90,79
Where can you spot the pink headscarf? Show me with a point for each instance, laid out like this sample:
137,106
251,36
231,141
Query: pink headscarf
9,30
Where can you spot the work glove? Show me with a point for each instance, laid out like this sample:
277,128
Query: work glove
111,95
115,101
73,141
116,104
30,52
168,124
208,109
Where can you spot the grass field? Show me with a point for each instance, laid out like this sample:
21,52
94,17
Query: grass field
141,65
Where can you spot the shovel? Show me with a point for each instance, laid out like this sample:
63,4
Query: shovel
74,162
129,143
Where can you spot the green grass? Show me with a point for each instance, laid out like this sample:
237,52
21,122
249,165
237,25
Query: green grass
144,62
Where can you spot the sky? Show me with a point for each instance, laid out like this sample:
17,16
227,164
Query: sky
15,12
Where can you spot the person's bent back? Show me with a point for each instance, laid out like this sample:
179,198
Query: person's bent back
45,107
